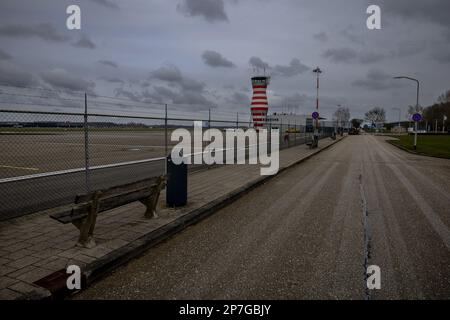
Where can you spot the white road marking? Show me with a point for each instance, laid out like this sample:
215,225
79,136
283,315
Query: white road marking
61,172
19,168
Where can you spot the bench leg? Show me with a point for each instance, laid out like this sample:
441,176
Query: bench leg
152,201
87,225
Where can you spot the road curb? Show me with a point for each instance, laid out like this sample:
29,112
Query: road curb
95,270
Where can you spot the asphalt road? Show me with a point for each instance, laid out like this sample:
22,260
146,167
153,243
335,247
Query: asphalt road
302,235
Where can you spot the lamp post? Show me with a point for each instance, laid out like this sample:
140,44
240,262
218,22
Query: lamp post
317,71
417,105
337,120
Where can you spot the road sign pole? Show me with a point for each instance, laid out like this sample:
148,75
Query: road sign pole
416,117
415,136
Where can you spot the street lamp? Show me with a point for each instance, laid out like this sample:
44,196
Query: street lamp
317,71
339,121
417,105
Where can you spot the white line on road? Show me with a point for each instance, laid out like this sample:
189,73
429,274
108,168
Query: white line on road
61,172
113,165
19,168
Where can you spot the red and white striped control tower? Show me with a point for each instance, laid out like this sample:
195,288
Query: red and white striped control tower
260,105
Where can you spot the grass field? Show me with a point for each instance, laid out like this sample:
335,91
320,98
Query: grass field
430,145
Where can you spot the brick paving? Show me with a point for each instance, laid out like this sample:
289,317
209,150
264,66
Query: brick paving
35,246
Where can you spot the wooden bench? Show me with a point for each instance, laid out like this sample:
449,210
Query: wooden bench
83,212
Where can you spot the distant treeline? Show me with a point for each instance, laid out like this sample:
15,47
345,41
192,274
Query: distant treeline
438,115
65,124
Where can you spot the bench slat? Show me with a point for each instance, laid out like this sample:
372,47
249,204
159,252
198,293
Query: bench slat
71,213
118,189
124,198
80,210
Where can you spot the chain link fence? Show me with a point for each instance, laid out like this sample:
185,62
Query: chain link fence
48,157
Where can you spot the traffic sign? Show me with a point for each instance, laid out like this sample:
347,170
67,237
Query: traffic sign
417,117
315,115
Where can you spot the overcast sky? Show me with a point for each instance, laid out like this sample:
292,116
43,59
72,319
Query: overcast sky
203,52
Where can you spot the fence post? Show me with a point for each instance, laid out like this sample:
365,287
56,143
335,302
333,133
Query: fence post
295,132
237,120
209,134
165,138
281,134
269,139
209,118
86,145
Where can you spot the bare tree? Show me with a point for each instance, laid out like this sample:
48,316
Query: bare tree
376,116
342,115
445,97
415,109
356,123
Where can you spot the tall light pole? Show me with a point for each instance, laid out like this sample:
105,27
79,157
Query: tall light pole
338,120
417,105
317,71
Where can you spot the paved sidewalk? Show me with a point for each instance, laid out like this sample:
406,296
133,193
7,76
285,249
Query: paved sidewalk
34,247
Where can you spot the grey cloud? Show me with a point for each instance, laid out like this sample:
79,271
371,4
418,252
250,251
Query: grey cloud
45,31
351,34
112,80
238,98
294,68
340,54
347,55
321,36
189,91
376,80
133,96
193,98
4,55
434,11
258,63
108,63
442,56
61,79
165,95
192,85
168,73
370,57
107,3
173,75
211,10
215,59
85,42
409,48
11,74
165,92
